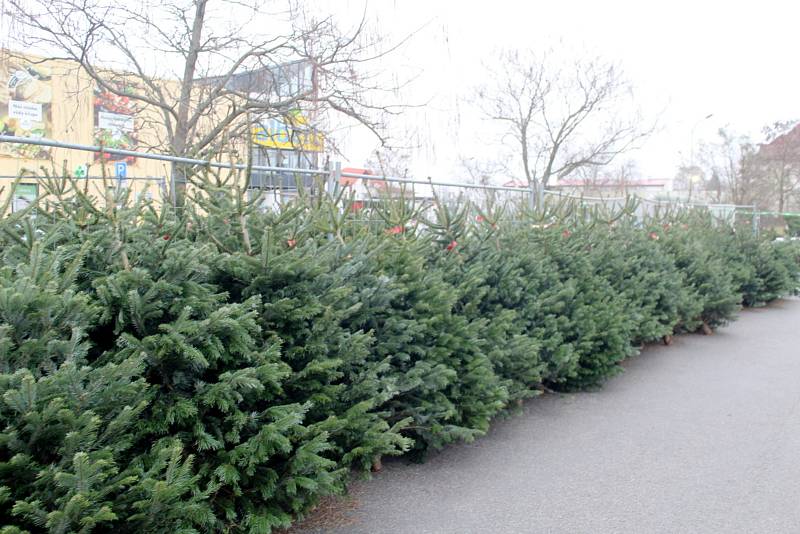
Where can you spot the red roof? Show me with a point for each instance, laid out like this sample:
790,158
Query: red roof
782,146
611,182
349,180
353,170
516,183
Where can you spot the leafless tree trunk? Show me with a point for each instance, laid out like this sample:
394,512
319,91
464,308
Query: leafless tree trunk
181,136
389,162
731,160
481,171
204,66
561,117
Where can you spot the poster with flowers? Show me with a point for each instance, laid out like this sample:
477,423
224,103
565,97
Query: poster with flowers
114,120
26,99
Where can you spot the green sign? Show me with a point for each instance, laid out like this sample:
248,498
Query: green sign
24,194
81,171
28,191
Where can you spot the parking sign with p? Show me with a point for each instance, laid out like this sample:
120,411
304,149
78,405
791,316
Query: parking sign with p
121,170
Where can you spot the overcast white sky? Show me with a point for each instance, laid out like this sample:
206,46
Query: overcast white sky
686,59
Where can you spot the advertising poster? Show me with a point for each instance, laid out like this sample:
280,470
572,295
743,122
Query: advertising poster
114,121
296,135
26,98
24,195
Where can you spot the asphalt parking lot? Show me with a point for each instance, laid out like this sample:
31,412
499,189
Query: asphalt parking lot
700,436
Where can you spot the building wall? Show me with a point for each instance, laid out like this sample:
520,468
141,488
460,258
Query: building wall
65,100
57,100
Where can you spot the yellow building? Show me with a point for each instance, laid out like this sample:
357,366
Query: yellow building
57,100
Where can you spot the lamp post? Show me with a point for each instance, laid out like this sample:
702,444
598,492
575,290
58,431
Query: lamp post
691,153
691,138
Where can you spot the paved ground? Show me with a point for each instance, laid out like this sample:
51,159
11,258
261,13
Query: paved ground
702,436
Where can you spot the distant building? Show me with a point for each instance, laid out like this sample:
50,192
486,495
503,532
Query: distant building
517,183
651,188
366,187
55,99
786,145
779,161
288,140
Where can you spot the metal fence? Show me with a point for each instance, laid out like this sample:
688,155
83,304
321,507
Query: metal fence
331,179
332,176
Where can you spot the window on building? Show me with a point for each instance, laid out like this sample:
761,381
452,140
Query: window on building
287,159
263,157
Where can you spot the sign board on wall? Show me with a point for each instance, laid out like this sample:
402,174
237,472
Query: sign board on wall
290,133
27,113
121,170
26,96
114,120
24,195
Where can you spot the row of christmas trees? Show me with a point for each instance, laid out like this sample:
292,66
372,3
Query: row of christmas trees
218,368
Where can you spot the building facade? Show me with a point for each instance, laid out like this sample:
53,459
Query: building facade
57,100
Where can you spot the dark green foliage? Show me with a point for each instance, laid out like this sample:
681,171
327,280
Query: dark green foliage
653,289
700,253
310,296
788,254
768,270
222,368
503,334
438,376
597,328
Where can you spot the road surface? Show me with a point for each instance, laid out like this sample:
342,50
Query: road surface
701,436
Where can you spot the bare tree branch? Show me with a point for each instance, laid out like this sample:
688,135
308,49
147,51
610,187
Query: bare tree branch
562,119
202,70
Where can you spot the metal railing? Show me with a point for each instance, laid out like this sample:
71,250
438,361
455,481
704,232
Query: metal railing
332,176
335,174
336,171
147,155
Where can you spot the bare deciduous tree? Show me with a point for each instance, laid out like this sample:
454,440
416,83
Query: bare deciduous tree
763,174
730,164
778,160
389,162
207,68
561,116
481,171
611,180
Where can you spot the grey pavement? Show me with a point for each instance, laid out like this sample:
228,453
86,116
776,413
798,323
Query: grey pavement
700,436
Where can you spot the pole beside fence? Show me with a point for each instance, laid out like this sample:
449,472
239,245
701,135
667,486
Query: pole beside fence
334,177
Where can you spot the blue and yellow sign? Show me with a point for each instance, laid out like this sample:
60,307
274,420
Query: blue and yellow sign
289,134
